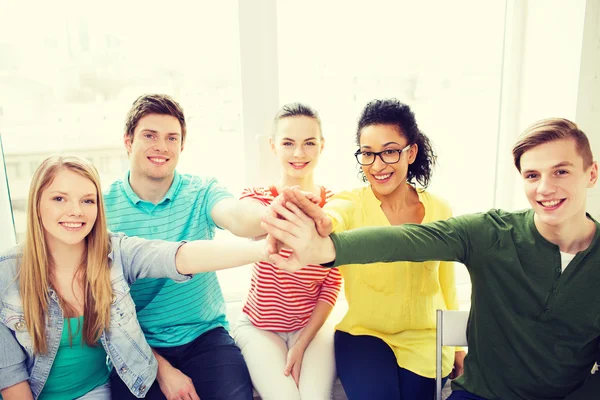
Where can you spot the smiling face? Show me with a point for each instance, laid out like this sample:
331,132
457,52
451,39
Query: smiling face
386,178
556,182
298,144
68,208
155,146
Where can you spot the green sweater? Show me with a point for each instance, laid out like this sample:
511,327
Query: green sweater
534,332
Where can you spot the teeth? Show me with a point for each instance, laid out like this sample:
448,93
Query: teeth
158,160
550,203
382,177
72,224
298,164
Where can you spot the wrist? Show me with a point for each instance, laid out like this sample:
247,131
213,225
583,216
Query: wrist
163,365
300,345
327,252
262,252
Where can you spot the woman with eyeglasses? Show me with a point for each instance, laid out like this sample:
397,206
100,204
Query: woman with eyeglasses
385,344
280,332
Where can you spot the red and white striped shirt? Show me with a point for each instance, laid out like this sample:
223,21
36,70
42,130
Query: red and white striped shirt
283,301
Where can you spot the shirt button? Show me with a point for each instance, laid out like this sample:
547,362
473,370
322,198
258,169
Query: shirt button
546,311
20,326
559,270
123,370
554,291
143,388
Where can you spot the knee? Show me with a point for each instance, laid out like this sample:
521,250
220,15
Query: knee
238,388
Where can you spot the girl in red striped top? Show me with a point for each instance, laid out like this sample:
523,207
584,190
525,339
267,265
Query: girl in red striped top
279,332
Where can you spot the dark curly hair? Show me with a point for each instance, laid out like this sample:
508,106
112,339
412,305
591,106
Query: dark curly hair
398,114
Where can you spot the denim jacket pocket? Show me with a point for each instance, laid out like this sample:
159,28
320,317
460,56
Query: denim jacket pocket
122,308
13,317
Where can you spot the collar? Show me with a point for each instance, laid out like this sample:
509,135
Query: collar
135,199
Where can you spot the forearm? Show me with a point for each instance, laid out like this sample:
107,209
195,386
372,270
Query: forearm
315,322
247,218
20,391
437,241
163,367
211,255
162,362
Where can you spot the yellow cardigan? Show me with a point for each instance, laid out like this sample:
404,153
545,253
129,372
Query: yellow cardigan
395,302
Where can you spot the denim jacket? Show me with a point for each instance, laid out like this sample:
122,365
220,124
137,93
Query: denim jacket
130,258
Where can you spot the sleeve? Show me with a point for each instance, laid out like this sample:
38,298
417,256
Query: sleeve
342,209
449,240
256,194
143,258
330,289
12,360
214,193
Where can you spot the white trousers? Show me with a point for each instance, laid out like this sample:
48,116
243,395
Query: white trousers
100,393
265,353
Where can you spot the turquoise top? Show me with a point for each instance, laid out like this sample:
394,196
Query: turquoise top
77,368
171,313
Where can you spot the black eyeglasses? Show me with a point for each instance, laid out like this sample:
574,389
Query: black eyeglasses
390,156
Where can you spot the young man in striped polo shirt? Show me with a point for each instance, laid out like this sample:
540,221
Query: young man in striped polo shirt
184,323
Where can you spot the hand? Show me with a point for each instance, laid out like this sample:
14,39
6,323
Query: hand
294,362
297,232
273,245
174,384
310,208
313,198
459,364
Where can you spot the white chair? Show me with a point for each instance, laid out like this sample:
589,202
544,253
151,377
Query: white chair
451,330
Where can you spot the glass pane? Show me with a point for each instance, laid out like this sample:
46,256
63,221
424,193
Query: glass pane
434,56
69,75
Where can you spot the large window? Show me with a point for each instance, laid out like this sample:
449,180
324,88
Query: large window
434,56
68,76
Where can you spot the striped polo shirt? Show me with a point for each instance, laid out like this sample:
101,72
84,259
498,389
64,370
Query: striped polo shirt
282,301
172,314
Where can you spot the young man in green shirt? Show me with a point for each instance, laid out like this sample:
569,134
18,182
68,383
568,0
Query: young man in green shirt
534,326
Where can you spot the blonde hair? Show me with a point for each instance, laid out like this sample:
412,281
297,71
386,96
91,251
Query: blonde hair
35,273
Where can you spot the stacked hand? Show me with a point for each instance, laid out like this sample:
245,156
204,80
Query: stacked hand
296,221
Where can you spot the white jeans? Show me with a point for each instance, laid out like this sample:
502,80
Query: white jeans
265,353
100,393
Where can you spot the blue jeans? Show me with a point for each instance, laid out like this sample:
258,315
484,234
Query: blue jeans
368,370
464,395
212,361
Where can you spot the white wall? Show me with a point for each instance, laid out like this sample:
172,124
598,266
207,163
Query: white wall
551,61
260,87
588,96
